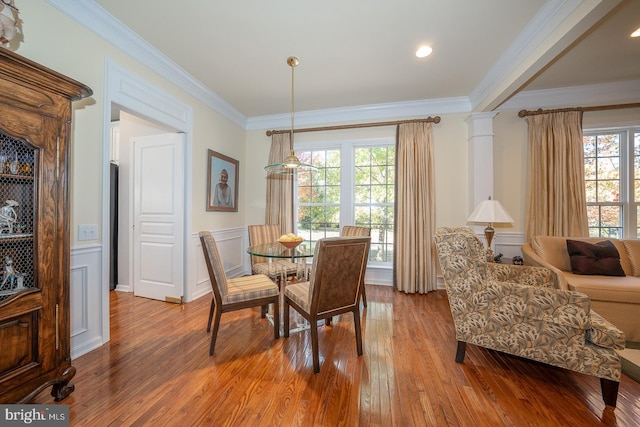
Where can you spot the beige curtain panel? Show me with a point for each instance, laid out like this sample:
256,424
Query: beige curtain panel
414,249
279,208
556,203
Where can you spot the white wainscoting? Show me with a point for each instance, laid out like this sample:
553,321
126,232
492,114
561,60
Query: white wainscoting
86,299
507,244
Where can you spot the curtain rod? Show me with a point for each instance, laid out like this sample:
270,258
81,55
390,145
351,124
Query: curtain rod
525,113
429,119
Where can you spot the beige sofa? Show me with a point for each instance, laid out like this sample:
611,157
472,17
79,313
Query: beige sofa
616,298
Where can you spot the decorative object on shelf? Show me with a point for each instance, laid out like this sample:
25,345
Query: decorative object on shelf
9,21
13,164
25,168
517,260
291,163
222,183
9,276
490,211
8,217
498,258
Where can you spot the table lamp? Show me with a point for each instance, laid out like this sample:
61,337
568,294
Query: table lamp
490,211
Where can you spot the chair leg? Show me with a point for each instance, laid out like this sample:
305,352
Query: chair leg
358,329
364,296
286,318
327,321
609,391
216,325
213,303
462,347
314,347
276,318
263,311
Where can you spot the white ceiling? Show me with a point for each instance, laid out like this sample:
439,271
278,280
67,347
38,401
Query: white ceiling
361,52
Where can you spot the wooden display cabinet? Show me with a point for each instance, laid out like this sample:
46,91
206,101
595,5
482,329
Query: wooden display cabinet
35,126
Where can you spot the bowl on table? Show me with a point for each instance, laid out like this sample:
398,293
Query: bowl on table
290,244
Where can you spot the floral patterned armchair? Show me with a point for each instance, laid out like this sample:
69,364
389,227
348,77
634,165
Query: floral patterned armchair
519,310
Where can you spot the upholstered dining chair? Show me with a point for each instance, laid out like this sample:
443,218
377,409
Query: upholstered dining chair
519,310
237,293
339,264
353,230
267,233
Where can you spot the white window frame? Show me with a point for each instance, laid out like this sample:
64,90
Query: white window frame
626,196
347,157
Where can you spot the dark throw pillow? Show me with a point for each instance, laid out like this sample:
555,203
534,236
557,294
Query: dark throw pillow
601,258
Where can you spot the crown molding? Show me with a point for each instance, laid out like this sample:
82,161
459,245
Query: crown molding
97,20
576,96
373,112
93,17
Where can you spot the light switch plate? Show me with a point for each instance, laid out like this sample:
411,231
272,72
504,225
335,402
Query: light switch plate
87,232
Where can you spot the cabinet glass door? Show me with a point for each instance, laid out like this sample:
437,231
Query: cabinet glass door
18,161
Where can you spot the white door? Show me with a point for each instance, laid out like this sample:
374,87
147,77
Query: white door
158,222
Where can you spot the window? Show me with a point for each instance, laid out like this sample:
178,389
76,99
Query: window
354,185
612,181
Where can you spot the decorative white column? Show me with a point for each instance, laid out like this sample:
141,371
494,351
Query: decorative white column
480,126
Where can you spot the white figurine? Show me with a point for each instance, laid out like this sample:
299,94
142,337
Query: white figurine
8,217
9,275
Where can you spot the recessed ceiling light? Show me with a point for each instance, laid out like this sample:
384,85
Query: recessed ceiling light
423,51
636,33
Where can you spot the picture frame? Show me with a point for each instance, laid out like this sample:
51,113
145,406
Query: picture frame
222,196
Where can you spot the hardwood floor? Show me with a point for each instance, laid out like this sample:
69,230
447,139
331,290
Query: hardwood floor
156,370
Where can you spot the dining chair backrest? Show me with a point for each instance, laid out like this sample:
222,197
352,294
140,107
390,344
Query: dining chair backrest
263,233
214,265
352,230
339,265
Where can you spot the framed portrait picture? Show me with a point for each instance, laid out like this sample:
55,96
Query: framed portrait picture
222,183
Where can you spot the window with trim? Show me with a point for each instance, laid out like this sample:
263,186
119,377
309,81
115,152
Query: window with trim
612,181
354,185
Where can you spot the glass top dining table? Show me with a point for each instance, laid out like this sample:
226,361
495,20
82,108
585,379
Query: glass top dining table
298,254
277,250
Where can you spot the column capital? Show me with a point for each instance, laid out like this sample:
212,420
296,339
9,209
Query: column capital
480,124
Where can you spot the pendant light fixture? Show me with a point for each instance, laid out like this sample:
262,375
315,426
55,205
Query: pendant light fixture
291,163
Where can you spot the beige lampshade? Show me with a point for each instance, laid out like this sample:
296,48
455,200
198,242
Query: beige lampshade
490,211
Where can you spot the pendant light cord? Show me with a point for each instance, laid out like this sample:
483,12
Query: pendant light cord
293,62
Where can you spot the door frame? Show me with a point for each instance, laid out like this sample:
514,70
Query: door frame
138,97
